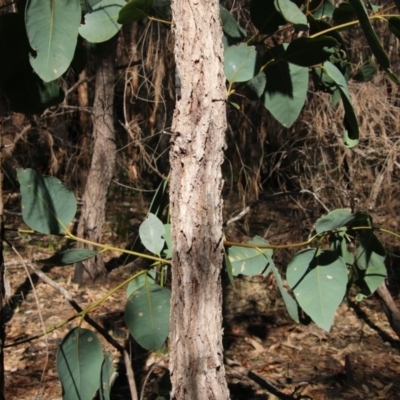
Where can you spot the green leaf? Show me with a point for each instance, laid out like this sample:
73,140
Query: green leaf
321,9
140,281
333,220
101,24
240,63
319,284
265,16
107,378
147,316
351,134
68,257
135,10
52,28
372,38
229,24
151,233
286,91
292,13
168,241
343,14
370,279
257,84
48,206
370,251
250,261
365,73
79,361
290,303
306,52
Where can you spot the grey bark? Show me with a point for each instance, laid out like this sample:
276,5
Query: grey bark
101,170
199,125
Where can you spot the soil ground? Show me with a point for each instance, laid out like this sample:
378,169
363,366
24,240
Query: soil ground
358,359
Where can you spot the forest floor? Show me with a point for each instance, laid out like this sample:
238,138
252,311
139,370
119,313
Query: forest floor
358,359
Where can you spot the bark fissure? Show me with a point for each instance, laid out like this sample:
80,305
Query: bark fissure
197,369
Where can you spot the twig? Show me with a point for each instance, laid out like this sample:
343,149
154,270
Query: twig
24,264
128,364
259,380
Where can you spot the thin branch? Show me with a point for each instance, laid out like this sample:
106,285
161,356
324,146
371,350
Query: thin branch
95,325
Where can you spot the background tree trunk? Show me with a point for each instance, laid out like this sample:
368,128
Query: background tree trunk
199,124
101,170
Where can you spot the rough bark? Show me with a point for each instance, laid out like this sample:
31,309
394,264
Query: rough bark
199,124
101,170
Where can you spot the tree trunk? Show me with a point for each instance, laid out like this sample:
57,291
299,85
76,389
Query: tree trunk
199,124
101,170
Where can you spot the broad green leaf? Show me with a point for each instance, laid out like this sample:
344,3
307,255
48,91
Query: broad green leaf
48,206
351,134
168,241
370,251
319,284
101,24
372,38
140,281
52,28
292,13
321,9
317,26
229,24
69,257
290,303
286,91
151,233
79,361
257,84
265,16
107,377
338,244
365,73
343,13
307,52
370,279
134,10
250,261
147,316
240,63
333,220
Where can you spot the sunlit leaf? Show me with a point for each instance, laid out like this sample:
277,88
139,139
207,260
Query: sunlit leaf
147,316
101,24
240,63
319,284
151,233
52,28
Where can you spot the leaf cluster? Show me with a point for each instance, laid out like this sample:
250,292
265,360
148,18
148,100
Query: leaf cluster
297,42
